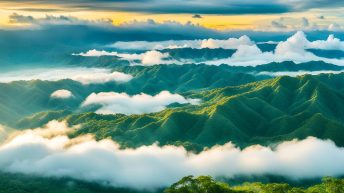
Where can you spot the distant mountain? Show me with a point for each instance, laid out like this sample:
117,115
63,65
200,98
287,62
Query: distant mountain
263,112
289,66
328,53
199,55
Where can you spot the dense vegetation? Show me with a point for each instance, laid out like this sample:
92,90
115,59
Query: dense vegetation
19,183
206,184
263,112
25,98
236,106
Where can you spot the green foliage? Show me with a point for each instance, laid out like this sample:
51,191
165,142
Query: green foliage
18,183
263,112
24,98
205,184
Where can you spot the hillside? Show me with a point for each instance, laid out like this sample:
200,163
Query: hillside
24,98
264,112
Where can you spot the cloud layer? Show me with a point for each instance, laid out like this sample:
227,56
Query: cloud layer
49,152
56,20
80,74
112,102
299,73
230,43
295,48
148,58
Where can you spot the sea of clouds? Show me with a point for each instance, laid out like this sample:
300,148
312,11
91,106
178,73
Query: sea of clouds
247,52
49,152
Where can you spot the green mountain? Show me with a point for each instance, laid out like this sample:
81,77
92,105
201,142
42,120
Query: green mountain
263,112
24,98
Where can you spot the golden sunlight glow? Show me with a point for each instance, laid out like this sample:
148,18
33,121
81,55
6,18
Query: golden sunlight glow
220,22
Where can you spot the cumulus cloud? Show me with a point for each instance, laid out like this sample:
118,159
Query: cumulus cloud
49,152
293,49
112,102
62,94
80,74
230,43
154,57
331,43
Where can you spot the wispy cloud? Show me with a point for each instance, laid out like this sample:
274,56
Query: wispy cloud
299,73
80,74
56,20
148,58
230,43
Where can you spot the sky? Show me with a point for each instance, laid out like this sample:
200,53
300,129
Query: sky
264,15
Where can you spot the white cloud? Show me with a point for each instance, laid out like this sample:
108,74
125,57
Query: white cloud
156,45
332,43
153,58
148,58
62,94
300,39
112,102
49,152
80,74
230,43
299,73
247,54
293,49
